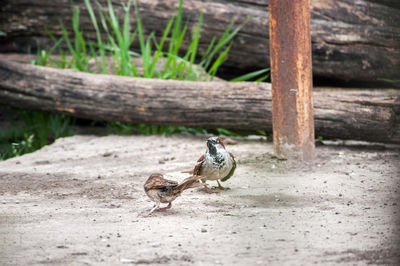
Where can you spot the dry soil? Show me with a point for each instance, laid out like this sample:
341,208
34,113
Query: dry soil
79,200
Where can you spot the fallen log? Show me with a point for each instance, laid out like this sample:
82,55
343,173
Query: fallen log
110,62
351,40
372,115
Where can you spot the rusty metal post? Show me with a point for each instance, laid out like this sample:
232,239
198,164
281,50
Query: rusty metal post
291,74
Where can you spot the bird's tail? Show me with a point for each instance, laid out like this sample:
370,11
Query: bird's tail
189,182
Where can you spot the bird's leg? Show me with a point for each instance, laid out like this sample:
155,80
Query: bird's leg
202,183
221,187
150,213
207,188
165,208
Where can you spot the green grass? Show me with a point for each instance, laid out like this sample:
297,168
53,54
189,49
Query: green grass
178,64
32,131
38,128
390,81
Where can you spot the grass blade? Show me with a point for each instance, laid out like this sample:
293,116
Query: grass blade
218,62
252,75
98,36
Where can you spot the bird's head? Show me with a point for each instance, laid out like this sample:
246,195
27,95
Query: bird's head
214,143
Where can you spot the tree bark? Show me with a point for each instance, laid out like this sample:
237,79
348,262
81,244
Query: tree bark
351,40
372,115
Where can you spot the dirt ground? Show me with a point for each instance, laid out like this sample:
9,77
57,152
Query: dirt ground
77,202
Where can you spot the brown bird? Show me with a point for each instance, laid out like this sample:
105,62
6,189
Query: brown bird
216,164
161,190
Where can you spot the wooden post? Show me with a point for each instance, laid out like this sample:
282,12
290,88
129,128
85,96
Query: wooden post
291,74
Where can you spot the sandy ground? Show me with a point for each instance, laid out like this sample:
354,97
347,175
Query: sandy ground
77,202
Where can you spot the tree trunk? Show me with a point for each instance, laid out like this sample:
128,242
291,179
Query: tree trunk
355,41
372,115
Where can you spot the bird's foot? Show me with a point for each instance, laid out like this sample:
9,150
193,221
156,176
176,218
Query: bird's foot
208,190
165,208
147,214
203,184
221,187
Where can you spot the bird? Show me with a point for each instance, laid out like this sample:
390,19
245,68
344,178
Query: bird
216,164
161,190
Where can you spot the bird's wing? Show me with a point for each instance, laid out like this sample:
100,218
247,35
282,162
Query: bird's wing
160,183
232,170
196,170
169,183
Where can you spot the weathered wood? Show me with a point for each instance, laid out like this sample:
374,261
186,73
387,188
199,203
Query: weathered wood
291,77
371,115
351,40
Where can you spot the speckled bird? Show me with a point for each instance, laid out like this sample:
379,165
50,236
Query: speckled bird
216,164
161,190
